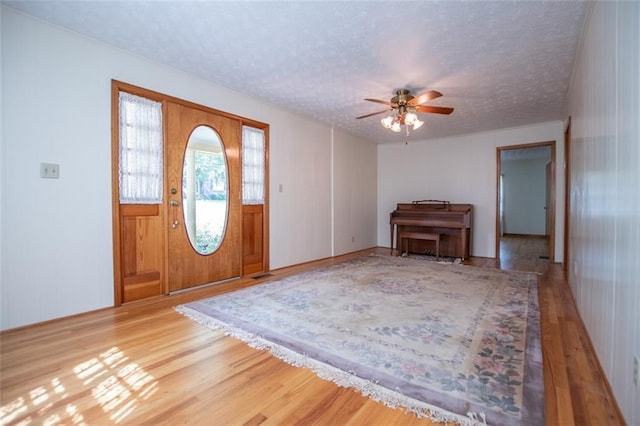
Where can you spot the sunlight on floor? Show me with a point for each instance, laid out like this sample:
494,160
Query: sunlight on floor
116,384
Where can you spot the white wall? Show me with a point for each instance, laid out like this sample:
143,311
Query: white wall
56,252
460,169
300,215
603,104
354,193
524,196
3,315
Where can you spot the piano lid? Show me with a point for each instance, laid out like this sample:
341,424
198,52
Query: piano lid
433,206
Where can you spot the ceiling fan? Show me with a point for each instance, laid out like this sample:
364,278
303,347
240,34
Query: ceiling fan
404,105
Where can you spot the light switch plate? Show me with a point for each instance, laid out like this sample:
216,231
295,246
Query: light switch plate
49,170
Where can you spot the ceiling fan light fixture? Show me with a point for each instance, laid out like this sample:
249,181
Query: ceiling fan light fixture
404,107
410,118
387,122
395,122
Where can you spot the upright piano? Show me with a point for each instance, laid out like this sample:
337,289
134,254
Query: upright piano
452,221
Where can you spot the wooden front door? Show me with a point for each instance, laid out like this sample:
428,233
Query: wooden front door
187,267
155,252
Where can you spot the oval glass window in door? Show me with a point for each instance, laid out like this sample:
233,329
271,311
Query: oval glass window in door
205,190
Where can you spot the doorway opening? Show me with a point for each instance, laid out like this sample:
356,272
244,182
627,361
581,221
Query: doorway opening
525,202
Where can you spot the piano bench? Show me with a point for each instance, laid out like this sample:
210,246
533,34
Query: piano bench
406,236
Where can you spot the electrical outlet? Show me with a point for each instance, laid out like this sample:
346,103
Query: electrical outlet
49,170
636,372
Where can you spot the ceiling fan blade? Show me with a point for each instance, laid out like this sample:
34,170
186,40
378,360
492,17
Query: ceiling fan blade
425,97
374,113
433,109
381,102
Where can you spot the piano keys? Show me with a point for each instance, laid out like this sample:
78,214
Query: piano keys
452,221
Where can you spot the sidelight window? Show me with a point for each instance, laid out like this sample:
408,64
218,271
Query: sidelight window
253,165
140,150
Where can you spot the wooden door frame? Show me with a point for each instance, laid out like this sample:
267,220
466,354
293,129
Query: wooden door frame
552,208
567,194
118,279
116,87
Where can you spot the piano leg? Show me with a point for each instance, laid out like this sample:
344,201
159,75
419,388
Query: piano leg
464,242
391,226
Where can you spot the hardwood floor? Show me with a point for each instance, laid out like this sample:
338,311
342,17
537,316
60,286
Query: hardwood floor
524,253
143,363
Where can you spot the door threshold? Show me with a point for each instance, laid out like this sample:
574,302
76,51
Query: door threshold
199,286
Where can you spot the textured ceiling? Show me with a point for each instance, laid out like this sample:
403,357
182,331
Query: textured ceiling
500,64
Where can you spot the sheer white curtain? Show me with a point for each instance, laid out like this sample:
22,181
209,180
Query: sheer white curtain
253,167
140,150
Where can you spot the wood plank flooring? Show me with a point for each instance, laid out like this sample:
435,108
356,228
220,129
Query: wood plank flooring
143,363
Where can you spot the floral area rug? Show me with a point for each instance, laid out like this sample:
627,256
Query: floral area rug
450,342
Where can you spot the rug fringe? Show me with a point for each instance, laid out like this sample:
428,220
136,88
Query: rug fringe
342,378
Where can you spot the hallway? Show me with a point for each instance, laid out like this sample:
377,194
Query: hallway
524,253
